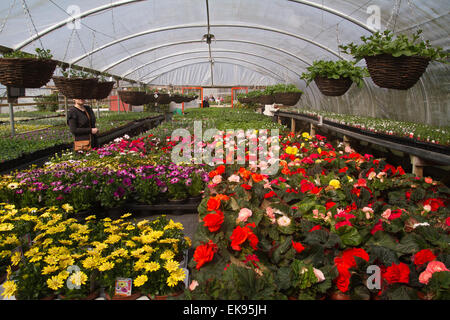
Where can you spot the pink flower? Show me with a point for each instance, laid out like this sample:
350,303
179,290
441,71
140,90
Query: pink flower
386,214
361,183
319,275
244,214
234,178
193,285
217,179
270,214
436,266
425,276
428,180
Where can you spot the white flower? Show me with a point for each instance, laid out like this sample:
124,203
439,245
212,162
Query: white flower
283,221
423,224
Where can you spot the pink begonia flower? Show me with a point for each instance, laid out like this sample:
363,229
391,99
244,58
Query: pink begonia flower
193,285
386,214
436,266
348,149
270,214
244,214
319,275
427,208
425,276
234,178
217,179
428,180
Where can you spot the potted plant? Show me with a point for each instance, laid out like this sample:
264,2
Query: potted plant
195,187
146,189
23,70
134,96
76,84
334,78
395,63
102,89
287,95
163,97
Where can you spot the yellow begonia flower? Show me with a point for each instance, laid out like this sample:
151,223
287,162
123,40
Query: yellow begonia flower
152,266
55,283
335,184
140,280
167,255
106,266
79,278
15,258
9,289
171,265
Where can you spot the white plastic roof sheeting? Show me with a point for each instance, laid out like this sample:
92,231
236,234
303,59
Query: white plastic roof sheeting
256,42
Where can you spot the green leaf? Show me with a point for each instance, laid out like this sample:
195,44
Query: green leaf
349,236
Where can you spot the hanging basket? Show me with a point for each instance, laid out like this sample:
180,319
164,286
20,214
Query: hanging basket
287,98
163,98
399,73
26,72
178,98
333,87
134,98
76,88
102,90
149,98
244,100
266,99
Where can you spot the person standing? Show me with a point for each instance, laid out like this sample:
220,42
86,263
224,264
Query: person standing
81,121
205,102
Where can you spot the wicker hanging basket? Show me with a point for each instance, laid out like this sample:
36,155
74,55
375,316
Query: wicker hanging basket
244,100
134,98
265,99
102,90
76,88
399,73
149,98
163,98
333,87
177,98
287,98
26,72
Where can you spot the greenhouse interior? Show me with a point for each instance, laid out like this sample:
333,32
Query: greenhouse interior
224,150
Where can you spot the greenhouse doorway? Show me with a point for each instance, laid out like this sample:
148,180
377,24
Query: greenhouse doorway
192,88
240,90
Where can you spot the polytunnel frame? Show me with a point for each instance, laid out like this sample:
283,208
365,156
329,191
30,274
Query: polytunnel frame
205,51
112,65
129,2
277,77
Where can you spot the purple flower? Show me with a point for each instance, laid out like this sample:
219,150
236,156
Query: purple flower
188,181
127,182
110,181
174,180
119,192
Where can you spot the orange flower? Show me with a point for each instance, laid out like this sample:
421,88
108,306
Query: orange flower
257,177
244,173
213,204
204,253
213,221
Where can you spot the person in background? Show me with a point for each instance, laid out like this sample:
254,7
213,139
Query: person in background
81,121
270,109
205,102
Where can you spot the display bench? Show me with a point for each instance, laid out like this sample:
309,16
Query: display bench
422,154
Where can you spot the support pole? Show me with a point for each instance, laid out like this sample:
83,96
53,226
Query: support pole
118,97
346,141
292,125
312,130
11,119
65,106
417,165
279,120
98,109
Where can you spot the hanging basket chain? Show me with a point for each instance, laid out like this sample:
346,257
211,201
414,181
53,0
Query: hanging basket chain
7,16
28,14
394,15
